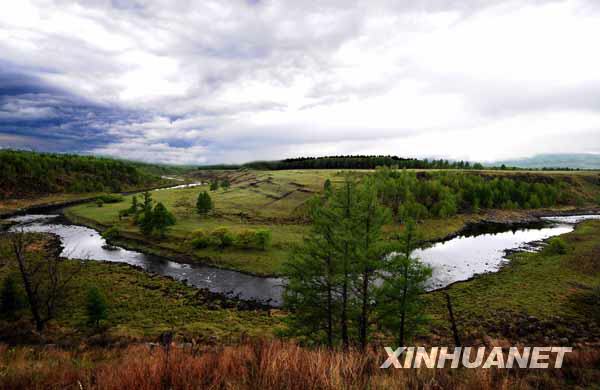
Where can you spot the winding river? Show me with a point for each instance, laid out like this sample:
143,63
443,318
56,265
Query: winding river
453,260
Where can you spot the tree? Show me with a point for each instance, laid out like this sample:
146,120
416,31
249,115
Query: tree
370,219
399,303
11,298
96,307
327,187
214,185
330,277
204,203
162,219
225,184
133,209
46,280
144,218
311,294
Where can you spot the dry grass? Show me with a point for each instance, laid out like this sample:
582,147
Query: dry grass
261,365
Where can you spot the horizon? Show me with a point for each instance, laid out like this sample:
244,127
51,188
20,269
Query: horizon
227,83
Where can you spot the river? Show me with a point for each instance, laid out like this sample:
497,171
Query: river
459,258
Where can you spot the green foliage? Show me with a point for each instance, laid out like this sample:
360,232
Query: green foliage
443,194
263,239
112,233
245,239
99,202
200,239
331,277
162,219
222,237
24,173
400,303
204,203
556,246
96,306
11,297
214,185
225,184
110,198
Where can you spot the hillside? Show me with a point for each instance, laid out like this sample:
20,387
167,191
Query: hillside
573,161
26,174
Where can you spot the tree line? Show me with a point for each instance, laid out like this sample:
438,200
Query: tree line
27,173
351,162
411,195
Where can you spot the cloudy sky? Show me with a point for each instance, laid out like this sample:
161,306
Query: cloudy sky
232,81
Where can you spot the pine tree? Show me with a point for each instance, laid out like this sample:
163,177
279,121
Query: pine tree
204,203
214,185
162,219
225,184
399,303
96,307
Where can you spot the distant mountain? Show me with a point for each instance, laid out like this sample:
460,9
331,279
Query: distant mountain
581,160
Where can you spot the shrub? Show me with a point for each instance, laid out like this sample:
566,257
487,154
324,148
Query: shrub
263,238
556,246
110,198
200,239
112,233
222,237
99,202
96,307
246,239
204,203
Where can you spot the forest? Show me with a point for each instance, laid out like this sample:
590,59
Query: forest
443,194
350,162
26,173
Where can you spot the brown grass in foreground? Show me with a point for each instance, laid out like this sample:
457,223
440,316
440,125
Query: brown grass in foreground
261,365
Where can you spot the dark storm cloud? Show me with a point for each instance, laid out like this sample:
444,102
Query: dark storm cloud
60,121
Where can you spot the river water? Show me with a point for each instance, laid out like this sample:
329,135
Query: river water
453,260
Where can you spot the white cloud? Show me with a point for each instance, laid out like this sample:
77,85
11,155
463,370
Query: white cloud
237,81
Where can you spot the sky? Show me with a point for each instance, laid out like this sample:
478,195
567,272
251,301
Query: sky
203,82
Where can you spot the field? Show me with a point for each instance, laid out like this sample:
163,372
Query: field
140,306
275,200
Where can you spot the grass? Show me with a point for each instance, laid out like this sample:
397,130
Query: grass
8,206
546,285
142,305
259,364
275,200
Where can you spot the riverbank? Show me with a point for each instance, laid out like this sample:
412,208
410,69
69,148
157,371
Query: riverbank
141,306
537,297
267,264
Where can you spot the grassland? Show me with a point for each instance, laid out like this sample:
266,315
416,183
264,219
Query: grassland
140,305
275,200
536,296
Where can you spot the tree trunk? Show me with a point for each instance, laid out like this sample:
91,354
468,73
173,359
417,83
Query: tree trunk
18,249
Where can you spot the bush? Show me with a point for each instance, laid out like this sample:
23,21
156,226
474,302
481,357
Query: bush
11,297
112,233
99,202
556,246
200,239
204,203
96,307
246,239
263,238
222,237
110,198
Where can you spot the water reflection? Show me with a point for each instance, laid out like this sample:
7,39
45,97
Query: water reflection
457,259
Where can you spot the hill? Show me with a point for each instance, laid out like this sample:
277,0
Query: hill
573,161
26,174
